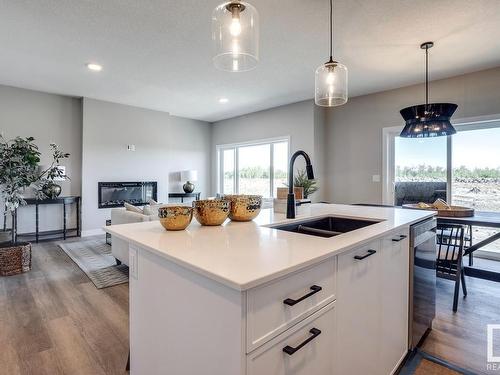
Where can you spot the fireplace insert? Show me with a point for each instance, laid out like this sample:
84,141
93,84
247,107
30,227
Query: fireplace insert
115,194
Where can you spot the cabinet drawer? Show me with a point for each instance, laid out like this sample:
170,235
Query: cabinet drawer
273,308
310,346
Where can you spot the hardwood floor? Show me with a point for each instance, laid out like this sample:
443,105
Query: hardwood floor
430,368
54,321
460,338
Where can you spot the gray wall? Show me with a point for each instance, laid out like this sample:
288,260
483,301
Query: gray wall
354,131
48,118
294,120
164,145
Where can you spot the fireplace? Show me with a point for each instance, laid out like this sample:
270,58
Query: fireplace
114,194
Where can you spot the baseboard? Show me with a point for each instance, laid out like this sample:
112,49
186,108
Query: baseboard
92,232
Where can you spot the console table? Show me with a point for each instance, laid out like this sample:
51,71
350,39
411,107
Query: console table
195,195
62,233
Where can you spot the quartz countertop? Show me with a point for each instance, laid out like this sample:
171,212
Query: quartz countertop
245,255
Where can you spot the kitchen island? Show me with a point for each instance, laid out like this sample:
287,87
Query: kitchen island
246,298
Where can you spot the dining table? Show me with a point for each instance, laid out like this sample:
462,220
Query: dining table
485,219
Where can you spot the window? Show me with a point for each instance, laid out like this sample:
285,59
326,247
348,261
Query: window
463,169
253,168
420,170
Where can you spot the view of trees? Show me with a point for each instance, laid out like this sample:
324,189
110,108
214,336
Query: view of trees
437,173
256,172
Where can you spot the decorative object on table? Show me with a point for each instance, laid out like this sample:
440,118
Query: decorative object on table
211,211
51,190
244,207
282,192
95,259
235,34
428,120
309,186
19,160
54,172
443,208
189,177
175,217
331,78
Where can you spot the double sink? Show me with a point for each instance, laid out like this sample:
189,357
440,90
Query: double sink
327,226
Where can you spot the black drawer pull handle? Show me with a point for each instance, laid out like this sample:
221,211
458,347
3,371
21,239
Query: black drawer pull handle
361,257
401,237
290,350
314,289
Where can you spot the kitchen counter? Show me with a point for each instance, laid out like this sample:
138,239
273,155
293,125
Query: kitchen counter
245,255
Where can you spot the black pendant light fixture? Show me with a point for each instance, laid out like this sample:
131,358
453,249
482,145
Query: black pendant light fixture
428,120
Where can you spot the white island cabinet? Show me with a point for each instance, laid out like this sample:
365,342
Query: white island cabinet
246,299
372,306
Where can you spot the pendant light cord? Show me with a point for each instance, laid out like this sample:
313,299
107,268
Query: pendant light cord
426,76
331,30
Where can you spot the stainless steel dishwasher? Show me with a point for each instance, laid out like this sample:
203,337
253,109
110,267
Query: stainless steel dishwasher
422,280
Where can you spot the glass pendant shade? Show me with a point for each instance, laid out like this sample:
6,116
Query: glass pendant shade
331,85
431,120
235,34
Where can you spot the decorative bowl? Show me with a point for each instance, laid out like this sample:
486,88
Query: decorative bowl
175,217
244,207
211,211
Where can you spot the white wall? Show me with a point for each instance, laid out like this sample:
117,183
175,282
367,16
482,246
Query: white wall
294,120
48,118
164,144
354,131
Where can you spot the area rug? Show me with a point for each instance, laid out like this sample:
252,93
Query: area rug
421,363
93,256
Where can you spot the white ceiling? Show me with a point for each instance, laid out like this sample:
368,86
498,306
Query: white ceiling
157,53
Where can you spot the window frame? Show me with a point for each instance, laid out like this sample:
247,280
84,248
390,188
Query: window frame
235,146
389,135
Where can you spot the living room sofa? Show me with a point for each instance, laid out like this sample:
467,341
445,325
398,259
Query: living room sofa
119,248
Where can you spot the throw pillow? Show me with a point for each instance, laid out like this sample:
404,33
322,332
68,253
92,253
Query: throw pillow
151,209
132,208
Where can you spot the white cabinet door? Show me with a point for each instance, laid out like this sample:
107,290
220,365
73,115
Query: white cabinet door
305,349
358,311
394,302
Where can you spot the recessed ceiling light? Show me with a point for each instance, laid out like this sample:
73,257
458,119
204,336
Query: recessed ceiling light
223,100
94,67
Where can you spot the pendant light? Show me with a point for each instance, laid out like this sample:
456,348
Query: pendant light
235,34
428,120
331,78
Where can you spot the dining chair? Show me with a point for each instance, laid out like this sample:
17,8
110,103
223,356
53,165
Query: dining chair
450,248
468,243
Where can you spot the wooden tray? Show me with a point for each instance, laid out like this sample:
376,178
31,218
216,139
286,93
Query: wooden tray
454,211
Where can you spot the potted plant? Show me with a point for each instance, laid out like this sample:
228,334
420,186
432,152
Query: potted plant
19,159
302,181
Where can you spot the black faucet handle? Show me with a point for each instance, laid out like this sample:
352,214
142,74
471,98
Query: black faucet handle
310,172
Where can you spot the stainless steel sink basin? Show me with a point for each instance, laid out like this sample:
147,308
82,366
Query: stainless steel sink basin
327,226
